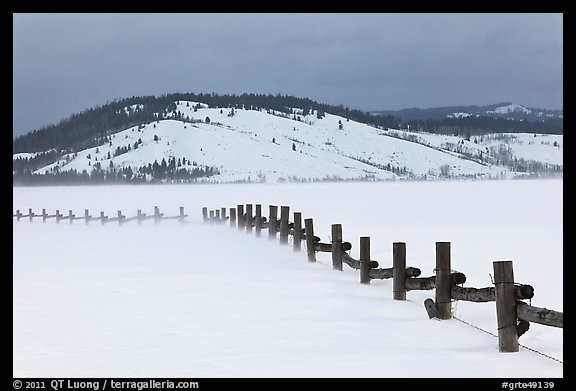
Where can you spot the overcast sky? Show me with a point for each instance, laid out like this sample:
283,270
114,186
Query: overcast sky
65,63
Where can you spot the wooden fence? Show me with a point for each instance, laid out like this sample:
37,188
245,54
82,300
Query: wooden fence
513,315
120,218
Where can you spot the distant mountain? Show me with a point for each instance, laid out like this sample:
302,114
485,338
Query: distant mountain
506,110
151,140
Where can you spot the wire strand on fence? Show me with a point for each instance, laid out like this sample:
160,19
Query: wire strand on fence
495,335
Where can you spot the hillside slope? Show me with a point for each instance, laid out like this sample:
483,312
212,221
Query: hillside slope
270,146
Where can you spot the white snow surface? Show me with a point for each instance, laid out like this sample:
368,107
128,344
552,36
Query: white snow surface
242,148
207,300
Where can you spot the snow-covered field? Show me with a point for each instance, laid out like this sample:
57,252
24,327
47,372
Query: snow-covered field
201,300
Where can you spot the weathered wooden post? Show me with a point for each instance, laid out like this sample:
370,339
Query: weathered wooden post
273,221
102,217
205,214
217,216
212,216
223,214
30,214
505,306
156,215
18,214
86,216
337,250
258,219
240,209
399,271
139,216
443,280
181,216
44,215
365,260
249,218
70,216
120,217
297,231
233,217
58,215
284,228
309,227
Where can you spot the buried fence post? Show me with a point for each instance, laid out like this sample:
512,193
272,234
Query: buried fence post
337,246
240,209
30,214
217,215
181,217
233,217
249,218
156,215
212,216
258,220
309,227
70,216
365,260
223,214
284,217
505,306
297,231
86,216
44,215
444,281
273,221
399,271
139,215
205,214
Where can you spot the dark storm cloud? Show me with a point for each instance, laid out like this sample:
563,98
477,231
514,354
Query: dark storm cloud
65,63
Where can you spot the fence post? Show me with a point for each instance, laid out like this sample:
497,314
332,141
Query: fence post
273,221
233,217
18,214
205,214
297,231
212,216
156,215
249,218
240,215
30,214
120,217
58,215
337,246
443,280
505,306
258,220
223,214
101,217
70,215
399,271
365,260
309,227
181,218
44,215
86,216
139,215
284,216
217,216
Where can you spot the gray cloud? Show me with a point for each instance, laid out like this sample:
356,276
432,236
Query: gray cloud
65,63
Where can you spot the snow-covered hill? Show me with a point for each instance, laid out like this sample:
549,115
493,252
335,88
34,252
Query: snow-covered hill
268,146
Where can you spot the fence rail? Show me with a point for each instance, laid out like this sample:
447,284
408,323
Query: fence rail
512,314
